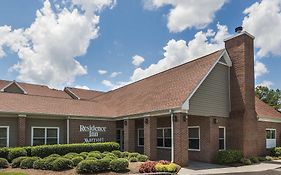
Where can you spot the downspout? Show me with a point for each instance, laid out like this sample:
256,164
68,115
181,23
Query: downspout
172,135
67,130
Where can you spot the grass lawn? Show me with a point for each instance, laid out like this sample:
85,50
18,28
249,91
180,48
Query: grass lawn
12,173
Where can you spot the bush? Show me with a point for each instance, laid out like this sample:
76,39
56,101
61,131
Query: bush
28,162
95,155
16,162
276,152
119,165
262,159
254,160
245,161
108,155
268,158
77,160
62,164
104,164
16,152
4,163
54,155
84,155
88,166
70,155
91,158
4,153
44,164
148,167
117,153
46,150
133,159
228,156
142,158
171,168
133,155
125,154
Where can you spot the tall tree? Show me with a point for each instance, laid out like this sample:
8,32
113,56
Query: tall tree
270,96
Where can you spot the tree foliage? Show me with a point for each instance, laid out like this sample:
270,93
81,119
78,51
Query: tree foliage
270,96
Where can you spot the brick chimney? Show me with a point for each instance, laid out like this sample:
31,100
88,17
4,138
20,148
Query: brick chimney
243,118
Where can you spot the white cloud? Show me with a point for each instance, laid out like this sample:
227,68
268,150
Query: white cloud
137,60
107,83
260,69
263,20
112,86
82,87
266,83
187,13
48,48
178,52
102,72
115,74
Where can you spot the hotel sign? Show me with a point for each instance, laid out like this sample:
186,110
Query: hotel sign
94,133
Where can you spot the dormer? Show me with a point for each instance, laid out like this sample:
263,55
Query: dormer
13,87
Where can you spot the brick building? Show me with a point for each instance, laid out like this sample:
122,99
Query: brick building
188,112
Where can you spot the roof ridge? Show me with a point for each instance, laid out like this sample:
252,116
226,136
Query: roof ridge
85,89
159,73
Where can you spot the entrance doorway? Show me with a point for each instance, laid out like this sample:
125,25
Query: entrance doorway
120,138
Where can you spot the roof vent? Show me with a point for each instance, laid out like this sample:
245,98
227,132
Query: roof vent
239,29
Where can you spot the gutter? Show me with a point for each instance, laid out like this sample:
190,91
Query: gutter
172,135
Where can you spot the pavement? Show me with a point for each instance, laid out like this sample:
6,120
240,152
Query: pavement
264,168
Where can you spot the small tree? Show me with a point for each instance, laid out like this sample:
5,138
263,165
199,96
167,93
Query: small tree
270,96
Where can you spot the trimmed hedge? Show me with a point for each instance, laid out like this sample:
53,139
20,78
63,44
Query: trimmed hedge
62,164
171,168
44,164
4,163
228,156
4,153
16,152
46,150
142,158
276,152
28,162
16,162
76,160
119,165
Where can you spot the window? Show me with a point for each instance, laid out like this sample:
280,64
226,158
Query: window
120,138
270,138
141,137
4,136
194,138
164,139
222,138
45,136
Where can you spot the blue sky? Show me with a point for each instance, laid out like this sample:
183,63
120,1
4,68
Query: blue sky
125,29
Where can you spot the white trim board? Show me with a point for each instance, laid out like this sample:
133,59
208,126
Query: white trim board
13,82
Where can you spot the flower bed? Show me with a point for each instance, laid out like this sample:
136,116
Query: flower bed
160,166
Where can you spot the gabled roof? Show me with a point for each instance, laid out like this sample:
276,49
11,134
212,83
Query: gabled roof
265,111
165,90
38,90
83,94
13,87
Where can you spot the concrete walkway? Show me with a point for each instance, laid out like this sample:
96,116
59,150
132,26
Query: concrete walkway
195,168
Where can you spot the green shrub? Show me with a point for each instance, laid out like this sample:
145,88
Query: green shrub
46,150
77,160
70,155
28,162
16,162
44,164
276,152
133,159
117,153
125,154
254,160
28,150
133,155
104,164
4,153
96,155
16,152
108,155
85,166
142,158
245,161
228,156
91,158
62,164
119,165
268,158
171,168
262,159
4,163
54,155
84,155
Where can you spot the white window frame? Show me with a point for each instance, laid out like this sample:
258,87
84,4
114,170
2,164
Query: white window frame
139,129
224,137
163,128
266,140
45,137
121,138
190,127
8,135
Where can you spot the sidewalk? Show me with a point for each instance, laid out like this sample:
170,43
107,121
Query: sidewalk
205,168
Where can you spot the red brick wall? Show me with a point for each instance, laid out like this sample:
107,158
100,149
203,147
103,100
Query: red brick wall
12,122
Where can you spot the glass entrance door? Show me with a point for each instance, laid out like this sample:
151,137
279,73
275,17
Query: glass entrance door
120,138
